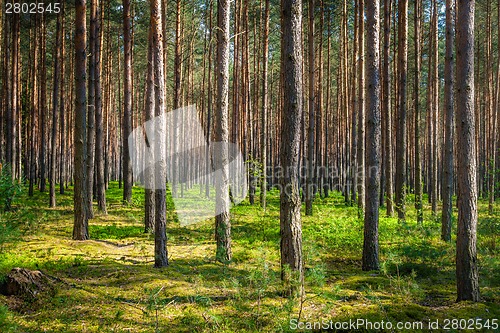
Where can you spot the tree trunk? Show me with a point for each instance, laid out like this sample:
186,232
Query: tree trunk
55,108
418,154
466,261
449,71
63,110
311,127
99,140
127,103
386,105
374,132
149,181
80,228
263,129
401,143
360,174
161,253
222,220
291,62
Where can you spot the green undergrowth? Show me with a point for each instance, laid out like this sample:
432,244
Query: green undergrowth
108,284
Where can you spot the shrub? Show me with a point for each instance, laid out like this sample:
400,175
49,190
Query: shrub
9,189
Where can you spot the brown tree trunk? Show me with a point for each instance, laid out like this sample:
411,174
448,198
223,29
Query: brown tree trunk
374,132
263,124
401,143
63,110
80,228
466,260
311,118
149,110
55,109
222,220
360,174
449,71
387,112
99,139
418,154
291,62
161,253
127,102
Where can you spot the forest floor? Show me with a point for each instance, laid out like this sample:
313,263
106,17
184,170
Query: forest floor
109,283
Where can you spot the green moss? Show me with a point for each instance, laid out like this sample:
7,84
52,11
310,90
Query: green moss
111,285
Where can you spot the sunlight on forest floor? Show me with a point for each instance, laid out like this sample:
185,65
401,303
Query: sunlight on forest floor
110,284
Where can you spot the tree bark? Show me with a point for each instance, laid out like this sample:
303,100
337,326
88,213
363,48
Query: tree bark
80,228
99,139
449,71
312,122
418,154
161,253
222,220
263,129
401,143
127,103
291,62
374,132
466,260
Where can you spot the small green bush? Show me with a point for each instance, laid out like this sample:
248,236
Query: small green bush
9,189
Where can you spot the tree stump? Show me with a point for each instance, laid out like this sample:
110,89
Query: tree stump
24,283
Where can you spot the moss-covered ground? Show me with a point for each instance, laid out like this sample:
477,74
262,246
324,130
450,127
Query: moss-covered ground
109,283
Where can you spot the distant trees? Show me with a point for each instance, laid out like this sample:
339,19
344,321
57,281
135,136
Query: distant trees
466,256
291,68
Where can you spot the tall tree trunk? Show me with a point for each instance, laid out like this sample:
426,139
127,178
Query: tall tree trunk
99,139
418,154
374,132
312,122
434,109
361,112
55,109
387,112
466,261
63,110
401,143
222,220
161,253
263,119
42,104
80,228
127,102
449,71
291,68
149,110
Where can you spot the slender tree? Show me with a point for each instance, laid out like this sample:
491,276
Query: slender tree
127,102
416,112
361,111
401,142
387,112
374,132
449,71
222,220
161,253
466,260
80,228
99,134
263,119
149,110
311,112
291,68
55,109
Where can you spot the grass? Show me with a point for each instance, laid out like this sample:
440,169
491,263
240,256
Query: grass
111,285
